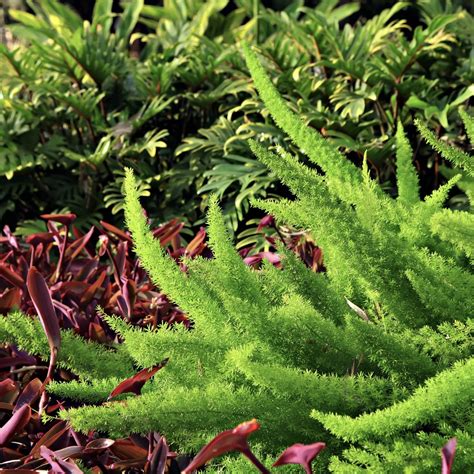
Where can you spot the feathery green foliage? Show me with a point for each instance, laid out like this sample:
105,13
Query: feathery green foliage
88,360
407,180
457,157
468,123
444,396
363,348
456,228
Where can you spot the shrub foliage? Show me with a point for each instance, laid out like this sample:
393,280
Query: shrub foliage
374,356
82,99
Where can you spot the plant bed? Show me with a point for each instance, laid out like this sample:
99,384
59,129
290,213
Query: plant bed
83,271
365,357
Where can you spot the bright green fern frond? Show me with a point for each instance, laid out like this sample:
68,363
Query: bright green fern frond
334,164
88,360
193,356
374,212
352,394
284,210
415,228
358,262
205,273
439,398
208,411
96,391
315,287
444,287
299,178
407,179
457,157
393,355
162,269
310,340
241,280
150,347
469,124
445,344
455,227
417,453
438,197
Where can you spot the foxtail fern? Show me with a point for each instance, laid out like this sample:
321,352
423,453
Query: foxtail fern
374,356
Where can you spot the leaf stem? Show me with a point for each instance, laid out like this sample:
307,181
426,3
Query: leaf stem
248,454
49,376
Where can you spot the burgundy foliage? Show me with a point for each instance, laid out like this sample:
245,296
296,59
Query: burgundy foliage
228,441
158,453
43,303
302,454
59,465
61,276
134,384
15,424
55,445
299,242
96,268
447,456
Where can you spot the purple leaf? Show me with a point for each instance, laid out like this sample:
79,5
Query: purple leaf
121,259
253,260
258,257
126,300
116,231
11,238
17,358
126,450
58,465
98,445
271,257
8,390
266,221
10,298
41,297
15,424
227,441
91,291
43,303
77,246
56,432
157,459
134,384
39,238
12,277
302,454
65,219
447,456
19,471
167,232
29,394
197,245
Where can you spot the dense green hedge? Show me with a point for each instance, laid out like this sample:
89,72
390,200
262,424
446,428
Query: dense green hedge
174,101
